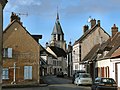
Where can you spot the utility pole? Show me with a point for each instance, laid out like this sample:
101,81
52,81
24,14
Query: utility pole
2,5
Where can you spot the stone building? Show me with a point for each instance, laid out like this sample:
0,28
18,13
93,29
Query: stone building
95,35
21,53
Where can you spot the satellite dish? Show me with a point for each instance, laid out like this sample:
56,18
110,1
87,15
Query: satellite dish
89,19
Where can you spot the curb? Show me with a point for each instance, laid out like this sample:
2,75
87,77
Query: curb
24,86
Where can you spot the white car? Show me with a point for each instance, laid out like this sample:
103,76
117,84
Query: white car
83,79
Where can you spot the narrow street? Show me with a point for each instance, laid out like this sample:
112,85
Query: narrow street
56,80
58,83
55,83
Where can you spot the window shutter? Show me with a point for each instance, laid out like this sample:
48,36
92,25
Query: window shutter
27,72
5,52
9,52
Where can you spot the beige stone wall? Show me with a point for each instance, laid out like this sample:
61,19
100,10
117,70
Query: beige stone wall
93,39
26,52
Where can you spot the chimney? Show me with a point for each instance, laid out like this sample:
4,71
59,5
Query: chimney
47,44
85,28
93,22
98,23
15,17
114,30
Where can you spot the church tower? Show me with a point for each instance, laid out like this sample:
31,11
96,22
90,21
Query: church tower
57,36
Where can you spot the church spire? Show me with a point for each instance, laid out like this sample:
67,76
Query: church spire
57,15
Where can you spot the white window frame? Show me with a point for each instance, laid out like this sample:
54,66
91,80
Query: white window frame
7,52
27,72
5,73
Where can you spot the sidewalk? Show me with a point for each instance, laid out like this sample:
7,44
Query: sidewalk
24,85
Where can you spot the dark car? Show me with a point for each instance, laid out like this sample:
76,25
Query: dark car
60,74
104,84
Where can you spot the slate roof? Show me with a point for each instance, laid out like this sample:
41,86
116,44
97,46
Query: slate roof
111,45
116,53
58,51
115,44
43,52
57,27
104,46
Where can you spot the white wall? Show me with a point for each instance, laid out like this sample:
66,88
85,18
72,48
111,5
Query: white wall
118,75
112,68
75,57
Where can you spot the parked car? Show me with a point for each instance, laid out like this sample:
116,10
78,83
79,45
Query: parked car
83,79
104,84
75,75
60,74
65,73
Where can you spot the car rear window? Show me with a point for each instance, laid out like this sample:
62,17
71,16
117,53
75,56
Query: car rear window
84,75
108,81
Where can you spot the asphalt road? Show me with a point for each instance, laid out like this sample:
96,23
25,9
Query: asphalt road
56,80
55,83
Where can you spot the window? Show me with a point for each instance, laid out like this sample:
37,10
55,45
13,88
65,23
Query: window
54,63
27,72
58,37
54,36
76,67
7,52
107,71
5,73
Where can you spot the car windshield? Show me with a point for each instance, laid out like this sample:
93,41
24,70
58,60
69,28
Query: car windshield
107,80
84,75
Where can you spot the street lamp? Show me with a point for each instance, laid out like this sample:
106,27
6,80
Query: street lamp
2,4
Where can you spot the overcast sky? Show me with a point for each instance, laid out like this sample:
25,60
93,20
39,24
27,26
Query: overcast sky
73,15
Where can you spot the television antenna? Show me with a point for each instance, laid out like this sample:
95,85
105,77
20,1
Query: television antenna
18,13
22,14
